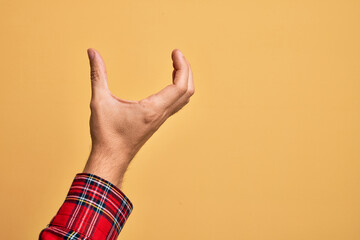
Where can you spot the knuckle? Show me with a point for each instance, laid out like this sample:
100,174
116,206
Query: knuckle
151,112
92,104
182,90
151,116
191,92
94,74
96,103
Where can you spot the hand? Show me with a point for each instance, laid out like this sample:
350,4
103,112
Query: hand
119,128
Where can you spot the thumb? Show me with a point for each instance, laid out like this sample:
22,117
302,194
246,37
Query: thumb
98,73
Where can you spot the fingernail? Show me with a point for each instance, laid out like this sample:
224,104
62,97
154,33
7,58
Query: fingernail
91,53
180,53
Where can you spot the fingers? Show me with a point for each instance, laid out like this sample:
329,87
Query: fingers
172,95
99,84
191,86
181,68
184,99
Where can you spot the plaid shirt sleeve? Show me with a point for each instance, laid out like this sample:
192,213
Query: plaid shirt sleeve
94,209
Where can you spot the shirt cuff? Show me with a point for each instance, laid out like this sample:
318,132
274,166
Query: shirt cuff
94,208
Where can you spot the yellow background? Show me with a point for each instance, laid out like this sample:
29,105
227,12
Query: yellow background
267,148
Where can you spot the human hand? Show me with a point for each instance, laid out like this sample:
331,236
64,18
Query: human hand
119,127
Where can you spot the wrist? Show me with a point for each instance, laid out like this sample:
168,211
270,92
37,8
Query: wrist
108,164
111,154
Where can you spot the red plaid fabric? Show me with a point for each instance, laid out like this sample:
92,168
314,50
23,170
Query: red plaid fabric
93,209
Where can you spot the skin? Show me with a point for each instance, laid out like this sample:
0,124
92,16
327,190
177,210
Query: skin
119,127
